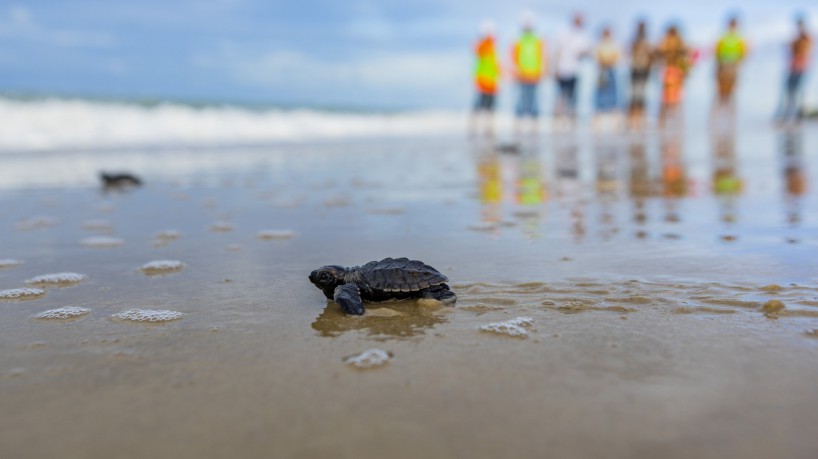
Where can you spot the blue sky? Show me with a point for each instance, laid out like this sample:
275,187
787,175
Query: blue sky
315,52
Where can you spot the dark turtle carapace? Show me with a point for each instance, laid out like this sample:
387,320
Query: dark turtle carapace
119,180
388,279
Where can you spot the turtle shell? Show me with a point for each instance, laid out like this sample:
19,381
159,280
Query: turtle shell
400,275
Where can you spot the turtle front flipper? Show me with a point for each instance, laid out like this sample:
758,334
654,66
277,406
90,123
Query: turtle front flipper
349,297
440,293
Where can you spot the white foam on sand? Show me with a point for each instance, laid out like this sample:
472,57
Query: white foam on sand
514,327
9,263
21,293
222,227
162,266
102,241
36,222
168,235
64,313
369,358
275,234
148,315
97,225
58,278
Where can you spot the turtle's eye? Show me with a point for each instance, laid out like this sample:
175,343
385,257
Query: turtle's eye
325,277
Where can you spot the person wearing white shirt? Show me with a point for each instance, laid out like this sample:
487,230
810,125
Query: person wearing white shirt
573,45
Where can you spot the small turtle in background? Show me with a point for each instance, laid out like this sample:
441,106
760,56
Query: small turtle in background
388,279
119,180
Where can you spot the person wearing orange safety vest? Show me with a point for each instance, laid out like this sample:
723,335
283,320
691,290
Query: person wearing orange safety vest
529,62
730,52
486,75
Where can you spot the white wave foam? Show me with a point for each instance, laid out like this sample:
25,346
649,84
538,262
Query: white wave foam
44,124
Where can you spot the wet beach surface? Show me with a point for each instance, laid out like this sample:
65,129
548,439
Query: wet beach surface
664,287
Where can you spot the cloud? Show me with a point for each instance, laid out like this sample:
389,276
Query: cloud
19,23
429,75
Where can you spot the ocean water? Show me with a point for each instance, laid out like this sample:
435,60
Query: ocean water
648,295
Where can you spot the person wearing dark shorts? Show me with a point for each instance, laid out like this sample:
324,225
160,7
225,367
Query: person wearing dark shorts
641,54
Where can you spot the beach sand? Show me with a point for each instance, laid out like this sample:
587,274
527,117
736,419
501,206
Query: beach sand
646,270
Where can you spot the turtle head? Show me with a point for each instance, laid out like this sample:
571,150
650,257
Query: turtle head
327,278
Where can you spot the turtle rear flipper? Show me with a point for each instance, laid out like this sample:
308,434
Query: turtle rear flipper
440,293
348,296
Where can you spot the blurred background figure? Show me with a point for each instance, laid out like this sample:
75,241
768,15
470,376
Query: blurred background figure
800,49
529,64
607,57
791,148
641,55
730,51
572,46
673,52
487,81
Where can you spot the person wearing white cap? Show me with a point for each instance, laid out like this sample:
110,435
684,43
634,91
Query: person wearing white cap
573,45
529,65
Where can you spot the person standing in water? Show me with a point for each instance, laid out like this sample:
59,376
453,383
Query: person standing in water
529,63
730,51
800,49
673,52
607,57
573,45
486,79
641,54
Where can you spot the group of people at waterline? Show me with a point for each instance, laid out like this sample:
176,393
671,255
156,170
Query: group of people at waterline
532,62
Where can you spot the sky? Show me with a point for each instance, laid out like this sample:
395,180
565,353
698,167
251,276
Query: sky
352,54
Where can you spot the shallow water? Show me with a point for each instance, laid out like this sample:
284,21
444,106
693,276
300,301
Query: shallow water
646,267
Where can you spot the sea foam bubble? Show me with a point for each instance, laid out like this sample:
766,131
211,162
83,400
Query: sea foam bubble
102,241
275,234
162,266
514,327
369,358
57,279
64,313
9,263
21,293
149,315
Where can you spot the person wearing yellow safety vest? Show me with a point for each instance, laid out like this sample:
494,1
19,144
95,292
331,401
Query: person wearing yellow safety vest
730,52
529,62
486,78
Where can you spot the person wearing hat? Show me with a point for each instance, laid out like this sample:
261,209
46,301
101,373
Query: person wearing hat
529,64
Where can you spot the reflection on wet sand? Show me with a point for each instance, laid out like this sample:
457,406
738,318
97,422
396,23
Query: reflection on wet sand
791,148
606,154
568,184
640,184
674,173
727,184
397,319
507,172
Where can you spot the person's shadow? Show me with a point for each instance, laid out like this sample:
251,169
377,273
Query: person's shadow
396,319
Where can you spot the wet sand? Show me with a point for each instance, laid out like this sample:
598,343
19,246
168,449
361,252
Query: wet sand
670,285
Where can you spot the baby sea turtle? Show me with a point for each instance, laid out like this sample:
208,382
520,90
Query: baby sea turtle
388,279
119,180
